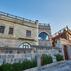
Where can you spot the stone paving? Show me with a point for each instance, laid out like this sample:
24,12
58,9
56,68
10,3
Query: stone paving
66,66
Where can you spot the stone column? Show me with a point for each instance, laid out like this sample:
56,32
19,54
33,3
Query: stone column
36,22
38,59
52,54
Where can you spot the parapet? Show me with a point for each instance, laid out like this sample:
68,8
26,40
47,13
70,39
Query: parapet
15,18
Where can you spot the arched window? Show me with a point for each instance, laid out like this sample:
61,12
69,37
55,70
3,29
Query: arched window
43,36
24,45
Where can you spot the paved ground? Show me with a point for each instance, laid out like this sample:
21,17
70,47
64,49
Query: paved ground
66,66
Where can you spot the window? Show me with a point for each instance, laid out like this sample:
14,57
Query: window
10,30
10,51
28,33
2,28
25,45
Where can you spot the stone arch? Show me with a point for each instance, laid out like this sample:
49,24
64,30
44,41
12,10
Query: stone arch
43,36
46,30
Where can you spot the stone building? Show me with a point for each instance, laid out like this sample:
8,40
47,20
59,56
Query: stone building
21,39
16,30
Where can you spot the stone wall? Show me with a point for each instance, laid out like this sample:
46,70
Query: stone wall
14,42
15,57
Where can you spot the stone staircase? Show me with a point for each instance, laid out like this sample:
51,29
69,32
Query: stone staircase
64,66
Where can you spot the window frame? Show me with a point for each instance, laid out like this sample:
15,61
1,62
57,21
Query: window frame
28,33
2,29
11,31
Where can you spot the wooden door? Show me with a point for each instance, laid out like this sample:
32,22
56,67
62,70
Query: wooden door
66,52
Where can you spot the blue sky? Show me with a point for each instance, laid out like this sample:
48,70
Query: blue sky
55,12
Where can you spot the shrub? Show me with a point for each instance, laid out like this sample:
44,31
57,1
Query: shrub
29,64
46,59
1,68
59,57
6,67
18,66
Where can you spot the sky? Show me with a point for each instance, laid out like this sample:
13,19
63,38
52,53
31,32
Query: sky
55,12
